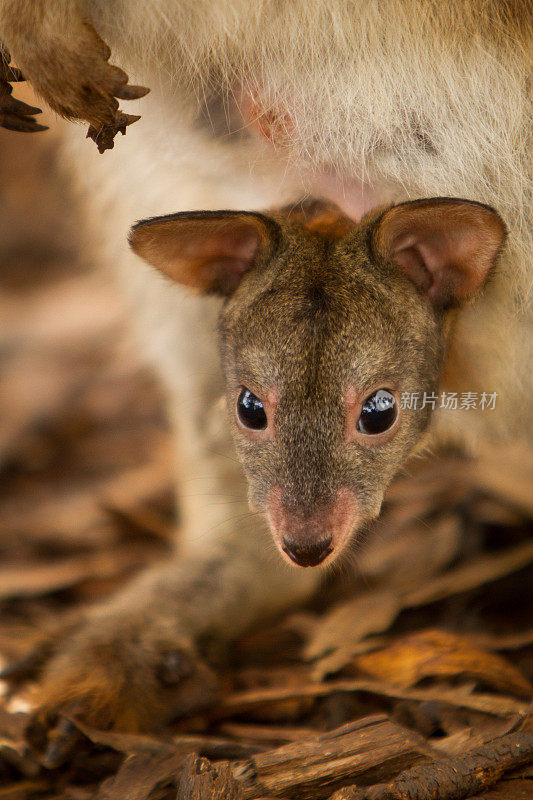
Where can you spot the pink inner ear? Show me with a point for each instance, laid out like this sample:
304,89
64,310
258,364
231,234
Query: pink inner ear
441,265
445,247
217,261
410,259
445,265
236,243
209,254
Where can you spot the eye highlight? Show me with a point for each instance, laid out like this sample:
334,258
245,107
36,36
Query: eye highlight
250,411
378,414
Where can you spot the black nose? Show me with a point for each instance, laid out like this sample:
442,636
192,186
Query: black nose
308,555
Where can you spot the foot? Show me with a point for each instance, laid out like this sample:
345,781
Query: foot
115,673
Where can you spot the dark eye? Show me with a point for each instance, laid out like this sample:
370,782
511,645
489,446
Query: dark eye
250,411
379,413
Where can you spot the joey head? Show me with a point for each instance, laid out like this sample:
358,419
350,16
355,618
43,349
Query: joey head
325,322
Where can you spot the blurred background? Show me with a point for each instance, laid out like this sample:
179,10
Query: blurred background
83,445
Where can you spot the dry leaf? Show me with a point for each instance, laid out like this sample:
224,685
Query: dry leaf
401,556
438,654
341,630
472,575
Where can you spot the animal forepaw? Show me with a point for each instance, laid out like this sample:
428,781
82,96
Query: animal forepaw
92,89
73,74
14,114
110,678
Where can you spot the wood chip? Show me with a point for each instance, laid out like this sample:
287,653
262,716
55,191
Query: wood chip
369,748
462,777
204,781
140,775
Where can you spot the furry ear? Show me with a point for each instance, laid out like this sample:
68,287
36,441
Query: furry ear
447,247
206,250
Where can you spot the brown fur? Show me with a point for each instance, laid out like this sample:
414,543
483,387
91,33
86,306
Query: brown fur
79,84
132,683
318,309
321,218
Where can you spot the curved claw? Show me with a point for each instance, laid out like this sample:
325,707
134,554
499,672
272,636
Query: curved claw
75,78
15,115
10,74
128,92
11,105
11,122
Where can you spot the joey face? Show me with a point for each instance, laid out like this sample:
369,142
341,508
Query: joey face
317,349
325,324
